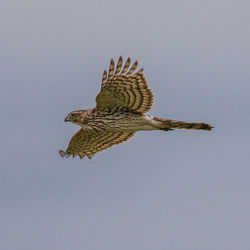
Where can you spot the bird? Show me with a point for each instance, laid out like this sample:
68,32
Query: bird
121,111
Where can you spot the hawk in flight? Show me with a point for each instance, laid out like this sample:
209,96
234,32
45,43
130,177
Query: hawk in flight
120,112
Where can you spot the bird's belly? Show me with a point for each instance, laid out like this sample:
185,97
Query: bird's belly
130,124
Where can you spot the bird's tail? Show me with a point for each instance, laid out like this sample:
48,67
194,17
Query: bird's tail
165,124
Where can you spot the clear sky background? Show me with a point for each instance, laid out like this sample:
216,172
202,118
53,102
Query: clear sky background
161,190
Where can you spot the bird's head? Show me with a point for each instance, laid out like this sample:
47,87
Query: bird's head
76,117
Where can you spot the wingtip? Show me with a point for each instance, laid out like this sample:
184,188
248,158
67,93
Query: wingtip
120,58
112,62
140,71
62,153
128,60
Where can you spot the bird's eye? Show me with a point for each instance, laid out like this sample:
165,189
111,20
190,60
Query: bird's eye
73,116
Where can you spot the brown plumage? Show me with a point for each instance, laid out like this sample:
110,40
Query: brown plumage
119,113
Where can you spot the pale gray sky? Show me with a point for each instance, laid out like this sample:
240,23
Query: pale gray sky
161,190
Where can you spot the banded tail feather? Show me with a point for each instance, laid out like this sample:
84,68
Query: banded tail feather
165,124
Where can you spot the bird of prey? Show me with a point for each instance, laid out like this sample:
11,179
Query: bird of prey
120,112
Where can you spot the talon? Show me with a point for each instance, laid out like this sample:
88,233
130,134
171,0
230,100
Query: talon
167,129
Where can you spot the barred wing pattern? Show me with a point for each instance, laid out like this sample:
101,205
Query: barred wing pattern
124,89
85,143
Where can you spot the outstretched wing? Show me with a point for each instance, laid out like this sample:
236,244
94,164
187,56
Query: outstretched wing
85,143
124,89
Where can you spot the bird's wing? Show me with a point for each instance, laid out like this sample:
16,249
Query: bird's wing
85,143
124,89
